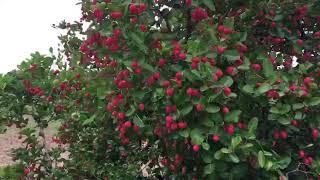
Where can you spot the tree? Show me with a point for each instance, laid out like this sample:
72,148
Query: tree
192,89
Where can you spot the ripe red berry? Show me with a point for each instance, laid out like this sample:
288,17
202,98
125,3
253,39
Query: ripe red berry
230,129
215,138
220,49
301,154
196,148
225,110
182,125
230,70
141,107
170,91
299,42
116,14
307,81
315,133
227,91
294,123
284,134
199,107
128,124
26,171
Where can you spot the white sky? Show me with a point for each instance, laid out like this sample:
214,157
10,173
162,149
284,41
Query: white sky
25,27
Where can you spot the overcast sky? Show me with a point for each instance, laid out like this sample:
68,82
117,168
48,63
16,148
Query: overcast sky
26,27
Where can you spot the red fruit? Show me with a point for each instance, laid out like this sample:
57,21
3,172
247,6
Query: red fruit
166,83
219,73
121,116
294,123
315,133
256,67
220,49
215,138
284,134
276,135
161,62
189,3
230,70
299,42
136,128
182,125
179,75
170,91
307,81
141,107
221,28
225,110
199,107
301,154
169,119
196,148
165,162
134,64
173,126
156,75
293,87
128,124
116,14
26,171
227,91
230,129
182,56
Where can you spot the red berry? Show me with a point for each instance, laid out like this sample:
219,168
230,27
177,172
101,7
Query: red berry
301,154
220,49
196,148
227,91
299,42
307,81
182,125
225,110
230,129
199,107
215,138
141,107
315,133
128,124
230,70
116,14
26,171
170,91
294,123
284,134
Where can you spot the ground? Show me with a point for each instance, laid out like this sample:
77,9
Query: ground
10,140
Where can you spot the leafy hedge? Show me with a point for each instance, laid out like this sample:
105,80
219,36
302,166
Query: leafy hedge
175,89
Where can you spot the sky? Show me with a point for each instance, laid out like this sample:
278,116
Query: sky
26,27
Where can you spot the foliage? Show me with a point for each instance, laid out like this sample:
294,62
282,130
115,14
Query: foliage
192,89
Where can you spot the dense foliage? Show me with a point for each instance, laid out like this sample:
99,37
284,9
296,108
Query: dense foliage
180,89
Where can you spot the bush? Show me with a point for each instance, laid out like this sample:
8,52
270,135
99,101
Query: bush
177,90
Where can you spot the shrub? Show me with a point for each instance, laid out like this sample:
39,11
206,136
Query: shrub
181,89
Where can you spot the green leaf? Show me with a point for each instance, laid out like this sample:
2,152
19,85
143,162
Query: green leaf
131,111
205,146
90,120
196,136
138,41
264,88
314,101
283,162
297,106
208,169
234,158
209,4
138,121
235,141
268,69
226,81
248,89
232,55
102,92
186,109
184,133
233,116
261,159
218,155
212,109
225,150
207,157
252,125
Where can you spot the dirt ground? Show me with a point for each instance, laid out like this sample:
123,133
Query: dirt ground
10,140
